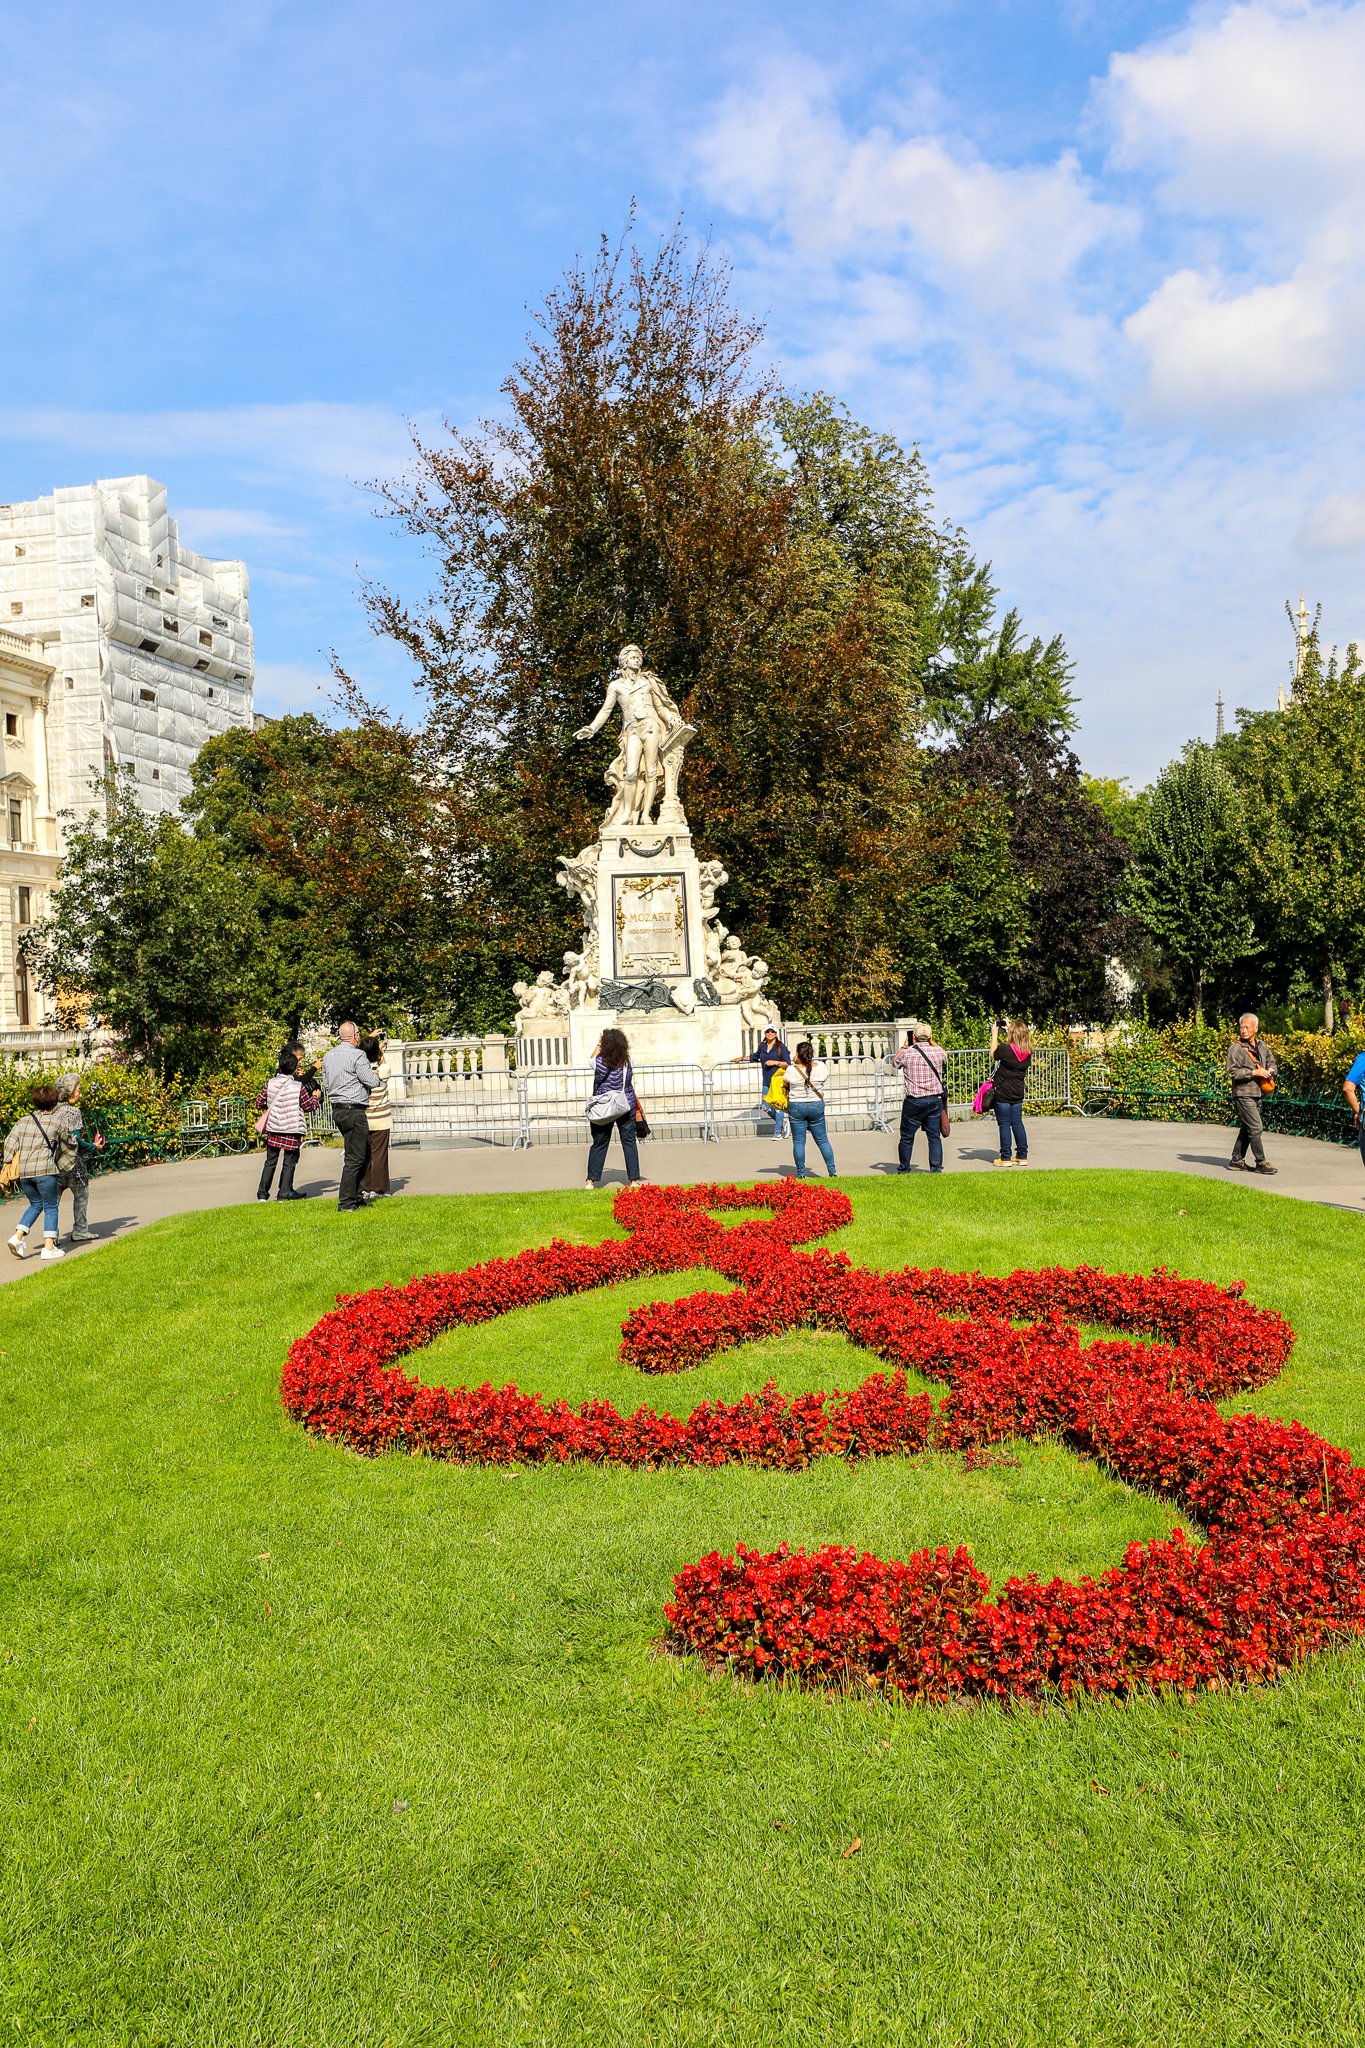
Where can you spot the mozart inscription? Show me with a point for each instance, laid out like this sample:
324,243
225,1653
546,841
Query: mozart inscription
649,924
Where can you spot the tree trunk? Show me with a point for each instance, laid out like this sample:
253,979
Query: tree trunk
1199,998
1329,1008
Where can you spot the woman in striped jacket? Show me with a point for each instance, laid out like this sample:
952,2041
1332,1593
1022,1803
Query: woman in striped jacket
286,1101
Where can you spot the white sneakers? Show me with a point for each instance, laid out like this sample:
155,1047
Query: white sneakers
18,1244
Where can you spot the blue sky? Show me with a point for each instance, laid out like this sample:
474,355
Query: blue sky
1106,263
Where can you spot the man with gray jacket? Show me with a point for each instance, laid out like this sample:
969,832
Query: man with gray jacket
1250,1061
349,1079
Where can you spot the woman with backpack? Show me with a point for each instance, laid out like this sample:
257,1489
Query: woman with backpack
806,1080
43,1150
614,1107
285,1102
77,1175
1008,1081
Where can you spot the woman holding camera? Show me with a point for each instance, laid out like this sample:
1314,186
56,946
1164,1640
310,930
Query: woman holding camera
614,1107
1009,1078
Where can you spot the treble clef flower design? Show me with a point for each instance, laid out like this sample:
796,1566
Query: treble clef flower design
1280,1572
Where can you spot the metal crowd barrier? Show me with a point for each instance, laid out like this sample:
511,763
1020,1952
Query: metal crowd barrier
736,1101
545,1105
677,1103
471,1106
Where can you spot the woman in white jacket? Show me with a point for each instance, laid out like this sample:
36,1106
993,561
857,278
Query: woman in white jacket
806,1078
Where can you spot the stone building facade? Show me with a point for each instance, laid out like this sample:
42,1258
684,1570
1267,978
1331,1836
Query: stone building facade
150,643
29,858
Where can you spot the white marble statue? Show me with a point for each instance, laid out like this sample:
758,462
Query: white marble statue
537,1000
711,879
654,737
739,979
581,977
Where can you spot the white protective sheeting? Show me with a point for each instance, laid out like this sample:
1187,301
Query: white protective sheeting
151,643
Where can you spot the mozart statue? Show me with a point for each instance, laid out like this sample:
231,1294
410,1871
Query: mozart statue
654,737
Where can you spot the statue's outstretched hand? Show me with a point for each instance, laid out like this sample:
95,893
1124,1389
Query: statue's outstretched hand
585,732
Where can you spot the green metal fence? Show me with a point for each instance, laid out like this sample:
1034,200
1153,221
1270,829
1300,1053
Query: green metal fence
1196,1091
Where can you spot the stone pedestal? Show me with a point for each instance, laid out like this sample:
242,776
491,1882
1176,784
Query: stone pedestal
661,1038
653,954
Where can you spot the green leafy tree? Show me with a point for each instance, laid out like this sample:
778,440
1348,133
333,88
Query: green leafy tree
1125,809
780,568
1066,869
157,931
1188,883
869,499
339,838
1299,774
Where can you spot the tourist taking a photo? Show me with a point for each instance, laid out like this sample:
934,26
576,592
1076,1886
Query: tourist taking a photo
1009,1077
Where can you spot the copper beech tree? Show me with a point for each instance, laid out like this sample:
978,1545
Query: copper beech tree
648,480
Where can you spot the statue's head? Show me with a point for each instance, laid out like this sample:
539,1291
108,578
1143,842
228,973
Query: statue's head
630,657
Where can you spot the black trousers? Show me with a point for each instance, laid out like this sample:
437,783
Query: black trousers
601,1139
354,1127
288,1161
1247,1104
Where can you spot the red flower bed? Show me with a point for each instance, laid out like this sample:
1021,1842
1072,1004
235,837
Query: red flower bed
1281,1571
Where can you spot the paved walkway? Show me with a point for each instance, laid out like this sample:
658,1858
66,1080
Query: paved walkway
120,1202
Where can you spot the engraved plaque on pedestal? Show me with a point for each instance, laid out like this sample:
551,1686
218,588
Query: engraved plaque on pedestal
649,926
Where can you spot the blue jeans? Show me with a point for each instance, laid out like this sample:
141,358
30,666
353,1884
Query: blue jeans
766,1108
809,1117
42,1190
1010,1117
921,1113
601,1139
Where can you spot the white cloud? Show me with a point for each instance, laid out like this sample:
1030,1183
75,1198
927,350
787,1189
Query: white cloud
1212,352
1139,377
1256,109
1003,235
338,443
1251,121
1335,525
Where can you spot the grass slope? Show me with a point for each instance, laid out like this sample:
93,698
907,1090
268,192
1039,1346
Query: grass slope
299,1749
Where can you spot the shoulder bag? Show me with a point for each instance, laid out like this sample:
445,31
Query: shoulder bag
609,1103
945,1122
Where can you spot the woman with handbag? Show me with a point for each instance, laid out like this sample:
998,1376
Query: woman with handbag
284,1103
379,1117
42,1150
614,1107
806,1079
1008,1080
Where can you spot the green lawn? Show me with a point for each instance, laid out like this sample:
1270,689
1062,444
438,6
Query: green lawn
301,1749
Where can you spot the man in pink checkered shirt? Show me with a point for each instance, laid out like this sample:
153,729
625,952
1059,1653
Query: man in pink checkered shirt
922,1065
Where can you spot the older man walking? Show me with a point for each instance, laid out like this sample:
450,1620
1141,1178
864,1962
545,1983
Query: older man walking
350,1080
1250,1062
